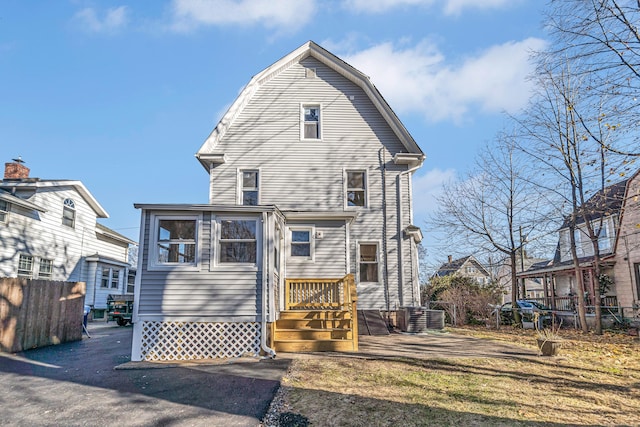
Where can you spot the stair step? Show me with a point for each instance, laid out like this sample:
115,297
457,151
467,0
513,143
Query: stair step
313,334
291,346
315,314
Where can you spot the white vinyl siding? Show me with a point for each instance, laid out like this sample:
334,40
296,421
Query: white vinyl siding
305,175
214,293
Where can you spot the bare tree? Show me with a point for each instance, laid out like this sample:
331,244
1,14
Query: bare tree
601,39
565,134
489,208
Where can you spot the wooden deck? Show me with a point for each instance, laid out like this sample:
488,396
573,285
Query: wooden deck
320,315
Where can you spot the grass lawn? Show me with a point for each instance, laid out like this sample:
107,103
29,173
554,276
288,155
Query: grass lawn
594,381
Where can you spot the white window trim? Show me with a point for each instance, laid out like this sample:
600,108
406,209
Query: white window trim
33,264
215,242
320,119
152,262
239,182
69,204
378,244
345,188
4,213
312,243
50,277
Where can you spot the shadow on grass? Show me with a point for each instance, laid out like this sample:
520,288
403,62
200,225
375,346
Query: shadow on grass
348,410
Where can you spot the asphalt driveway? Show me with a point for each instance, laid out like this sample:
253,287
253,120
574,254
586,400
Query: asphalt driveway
76,384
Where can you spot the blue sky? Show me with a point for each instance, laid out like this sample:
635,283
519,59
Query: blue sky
121,94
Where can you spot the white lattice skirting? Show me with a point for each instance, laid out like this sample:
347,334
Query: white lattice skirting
199,340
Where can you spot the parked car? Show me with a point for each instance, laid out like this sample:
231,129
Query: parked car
527,310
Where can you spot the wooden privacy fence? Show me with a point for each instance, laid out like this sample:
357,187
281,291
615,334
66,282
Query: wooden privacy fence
37,313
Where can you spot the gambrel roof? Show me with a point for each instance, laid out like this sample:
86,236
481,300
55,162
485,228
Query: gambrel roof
207,153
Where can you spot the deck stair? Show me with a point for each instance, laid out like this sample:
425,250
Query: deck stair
318,320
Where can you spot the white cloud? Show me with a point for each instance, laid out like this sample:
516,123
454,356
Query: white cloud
113,20
280,14
419,79
450,7
425,189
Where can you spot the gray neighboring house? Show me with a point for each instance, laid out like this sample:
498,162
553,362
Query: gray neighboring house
48,231
467,266
310,178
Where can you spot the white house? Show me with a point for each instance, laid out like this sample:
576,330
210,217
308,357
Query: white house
310,199
48,231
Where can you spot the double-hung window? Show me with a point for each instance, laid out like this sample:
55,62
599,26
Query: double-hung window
25,266
176,241
368,262
301,243
4,211
356,189
46,269
104,280
249,191
115,279
311,122
69,213
238,241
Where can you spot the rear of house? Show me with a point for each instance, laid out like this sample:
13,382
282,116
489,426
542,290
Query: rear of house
310,209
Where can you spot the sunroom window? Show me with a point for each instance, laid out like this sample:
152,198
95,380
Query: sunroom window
238,241
176,241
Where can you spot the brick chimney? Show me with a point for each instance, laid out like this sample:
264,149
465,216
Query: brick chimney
16,169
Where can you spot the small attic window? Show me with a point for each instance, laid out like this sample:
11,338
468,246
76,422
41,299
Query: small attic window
310,73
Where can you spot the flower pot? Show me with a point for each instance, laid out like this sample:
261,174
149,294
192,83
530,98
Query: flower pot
549,347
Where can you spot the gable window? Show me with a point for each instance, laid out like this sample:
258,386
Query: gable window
4,211
238,241
176,241
604,243
249,191
25,266
301,242
69,213
356,189
368,262
311,122
46,269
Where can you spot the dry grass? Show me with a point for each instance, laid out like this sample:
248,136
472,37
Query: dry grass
595,381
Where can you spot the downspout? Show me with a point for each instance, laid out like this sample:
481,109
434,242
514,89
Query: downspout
400,227
384,228
271,353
